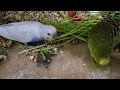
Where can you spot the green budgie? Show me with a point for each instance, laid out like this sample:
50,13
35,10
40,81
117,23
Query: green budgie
104,37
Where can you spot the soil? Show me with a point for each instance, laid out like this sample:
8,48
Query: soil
72,62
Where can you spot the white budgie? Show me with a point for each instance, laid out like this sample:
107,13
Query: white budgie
27,31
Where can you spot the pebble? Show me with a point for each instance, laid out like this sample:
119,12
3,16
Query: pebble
117,50
55,50
68,53
34,60
1,56
32,57
5,57
79,60
61,51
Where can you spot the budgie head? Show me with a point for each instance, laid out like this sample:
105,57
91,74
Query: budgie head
104,60
49,32
99,47
104,37
100,54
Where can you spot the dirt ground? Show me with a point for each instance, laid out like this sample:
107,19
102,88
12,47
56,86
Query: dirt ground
72,62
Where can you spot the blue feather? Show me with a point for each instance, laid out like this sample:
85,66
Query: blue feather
35,39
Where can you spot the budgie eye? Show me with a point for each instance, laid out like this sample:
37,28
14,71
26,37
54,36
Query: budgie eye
48,33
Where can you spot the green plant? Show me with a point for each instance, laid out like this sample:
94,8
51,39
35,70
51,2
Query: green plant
67,31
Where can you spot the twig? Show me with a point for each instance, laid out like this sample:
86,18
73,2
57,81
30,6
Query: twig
31,49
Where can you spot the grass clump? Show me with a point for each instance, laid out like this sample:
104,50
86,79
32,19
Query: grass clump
69,31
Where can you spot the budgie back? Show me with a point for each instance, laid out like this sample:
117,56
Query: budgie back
26,31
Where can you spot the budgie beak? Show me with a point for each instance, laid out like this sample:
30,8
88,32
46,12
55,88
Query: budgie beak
104,61
55,34
47,40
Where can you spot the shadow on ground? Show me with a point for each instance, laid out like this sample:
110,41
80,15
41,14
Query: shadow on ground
72,62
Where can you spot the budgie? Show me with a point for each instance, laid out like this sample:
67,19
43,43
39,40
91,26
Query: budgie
27,31
104,37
